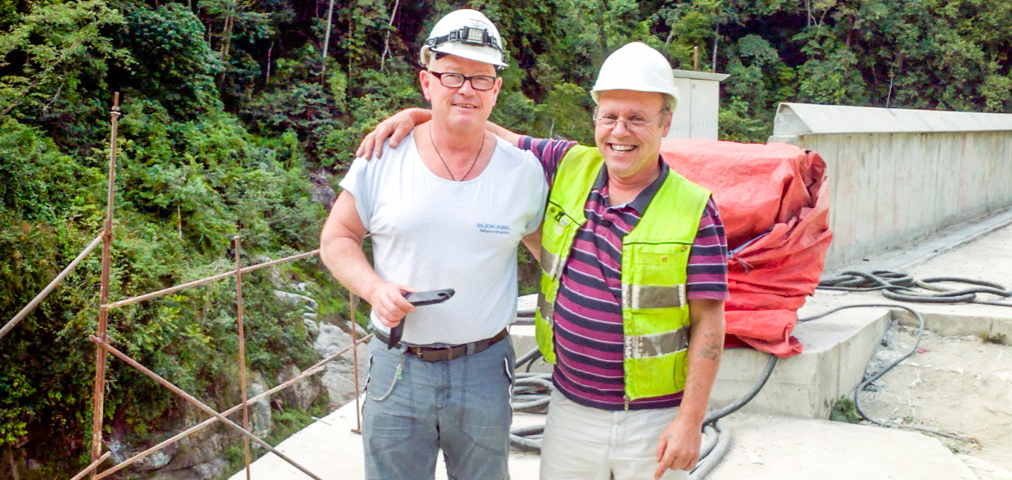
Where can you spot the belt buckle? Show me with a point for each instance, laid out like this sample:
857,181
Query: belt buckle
429,354
440,354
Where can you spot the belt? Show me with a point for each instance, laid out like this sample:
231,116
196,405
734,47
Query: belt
439,354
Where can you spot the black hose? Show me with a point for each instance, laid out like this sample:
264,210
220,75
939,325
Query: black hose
860,388
528,358
527,439
531,392
712,458
749,395
904,288
710,433
718,437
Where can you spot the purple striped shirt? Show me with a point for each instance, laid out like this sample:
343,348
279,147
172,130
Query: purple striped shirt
588,312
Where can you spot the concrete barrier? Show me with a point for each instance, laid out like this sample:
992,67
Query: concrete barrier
897,175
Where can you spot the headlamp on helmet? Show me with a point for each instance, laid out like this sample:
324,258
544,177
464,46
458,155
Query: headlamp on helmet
468,36
465,33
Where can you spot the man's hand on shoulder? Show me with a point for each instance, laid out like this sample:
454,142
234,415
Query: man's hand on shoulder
388,303
395,128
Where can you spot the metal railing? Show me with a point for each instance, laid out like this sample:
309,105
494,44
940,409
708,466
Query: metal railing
103,346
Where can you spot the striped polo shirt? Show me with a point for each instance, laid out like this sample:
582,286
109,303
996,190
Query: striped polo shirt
588,312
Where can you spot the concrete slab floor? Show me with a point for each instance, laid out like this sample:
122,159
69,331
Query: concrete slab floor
762,447
959,383
778,448
788,448
330,450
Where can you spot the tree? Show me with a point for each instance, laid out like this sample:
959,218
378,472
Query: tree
51,51
175,64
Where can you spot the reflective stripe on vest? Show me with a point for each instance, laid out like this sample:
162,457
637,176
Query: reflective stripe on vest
655,313
551,264
649,296
657,345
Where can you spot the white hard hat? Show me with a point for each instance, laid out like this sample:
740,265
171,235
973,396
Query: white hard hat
636,67
465,33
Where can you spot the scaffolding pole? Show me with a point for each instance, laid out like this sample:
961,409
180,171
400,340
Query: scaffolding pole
103,313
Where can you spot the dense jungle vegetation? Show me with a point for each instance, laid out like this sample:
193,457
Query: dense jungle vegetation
235,111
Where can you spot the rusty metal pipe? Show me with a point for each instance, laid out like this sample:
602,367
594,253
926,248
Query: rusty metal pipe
159,293
49,288
103,314
207,423
242,347
190,398
354,356
92,467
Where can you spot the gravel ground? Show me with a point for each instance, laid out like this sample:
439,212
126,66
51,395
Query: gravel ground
960,385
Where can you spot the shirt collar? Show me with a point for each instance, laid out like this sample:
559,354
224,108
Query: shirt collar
642,200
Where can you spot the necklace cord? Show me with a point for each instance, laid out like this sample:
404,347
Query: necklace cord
447,167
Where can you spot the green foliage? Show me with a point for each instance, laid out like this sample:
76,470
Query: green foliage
737,124
184,188
332,116
45,364
227,104
997,92
844,410
55,49
38,177
688,25
285,423
175,64
54,56
996,339
14,414
8,12
567,113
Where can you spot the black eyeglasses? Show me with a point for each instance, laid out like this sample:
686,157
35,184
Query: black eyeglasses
456,80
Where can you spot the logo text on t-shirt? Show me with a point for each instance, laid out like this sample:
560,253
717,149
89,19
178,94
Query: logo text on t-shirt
493,228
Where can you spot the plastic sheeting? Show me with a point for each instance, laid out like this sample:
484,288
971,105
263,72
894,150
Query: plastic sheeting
774,201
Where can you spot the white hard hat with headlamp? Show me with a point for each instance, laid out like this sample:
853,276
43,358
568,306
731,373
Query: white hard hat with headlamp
636,67
468,34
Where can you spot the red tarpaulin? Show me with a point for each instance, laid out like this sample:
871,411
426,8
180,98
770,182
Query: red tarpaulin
774,201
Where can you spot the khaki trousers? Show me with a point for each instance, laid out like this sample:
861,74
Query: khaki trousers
583,443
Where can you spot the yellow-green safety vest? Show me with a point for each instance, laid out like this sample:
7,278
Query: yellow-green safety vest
655,312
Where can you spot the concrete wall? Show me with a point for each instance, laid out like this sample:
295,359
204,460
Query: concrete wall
890,187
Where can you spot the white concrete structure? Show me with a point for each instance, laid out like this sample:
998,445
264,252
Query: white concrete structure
699,105
899,175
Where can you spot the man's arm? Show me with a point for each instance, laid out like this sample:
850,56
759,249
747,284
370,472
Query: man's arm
678,447
533,243
341,251
503,133
400,124
396,127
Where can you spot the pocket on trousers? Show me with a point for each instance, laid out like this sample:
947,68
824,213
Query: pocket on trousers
383,377
387,415
486,410
368,376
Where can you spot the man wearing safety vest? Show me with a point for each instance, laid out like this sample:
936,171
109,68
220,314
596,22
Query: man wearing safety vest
634,279
445,385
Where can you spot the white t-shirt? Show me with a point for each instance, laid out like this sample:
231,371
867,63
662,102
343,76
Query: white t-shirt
432,233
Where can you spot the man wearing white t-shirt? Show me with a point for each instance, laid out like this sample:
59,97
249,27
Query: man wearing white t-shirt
445,209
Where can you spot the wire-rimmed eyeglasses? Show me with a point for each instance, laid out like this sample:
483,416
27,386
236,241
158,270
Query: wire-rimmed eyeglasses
634,123
456,80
